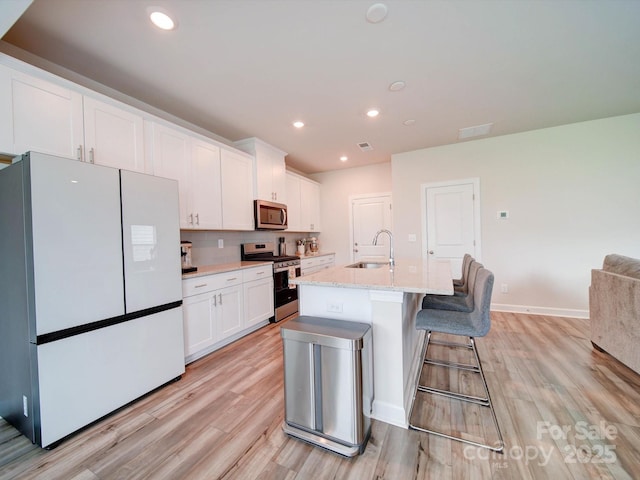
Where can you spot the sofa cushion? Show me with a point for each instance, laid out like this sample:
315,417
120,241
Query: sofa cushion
621,265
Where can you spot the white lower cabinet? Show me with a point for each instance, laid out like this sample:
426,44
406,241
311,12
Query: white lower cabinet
311,265
258,301
220,308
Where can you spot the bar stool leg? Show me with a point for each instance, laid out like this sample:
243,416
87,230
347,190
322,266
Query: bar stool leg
485,402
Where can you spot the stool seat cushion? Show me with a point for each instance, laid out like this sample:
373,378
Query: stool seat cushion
458,302
472,324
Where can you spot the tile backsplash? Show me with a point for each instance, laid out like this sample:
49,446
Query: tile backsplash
205,249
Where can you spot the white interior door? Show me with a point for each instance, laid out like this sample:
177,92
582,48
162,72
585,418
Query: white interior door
452,221
368,215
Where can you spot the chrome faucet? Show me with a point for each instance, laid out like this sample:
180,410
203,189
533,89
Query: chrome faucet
375,242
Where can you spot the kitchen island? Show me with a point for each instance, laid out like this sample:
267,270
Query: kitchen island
388,299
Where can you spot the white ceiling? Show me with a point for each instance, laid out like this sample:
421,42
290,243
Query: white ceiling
243,68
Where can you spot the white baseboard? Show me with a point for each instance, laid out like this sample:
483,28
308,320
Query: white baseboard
555,312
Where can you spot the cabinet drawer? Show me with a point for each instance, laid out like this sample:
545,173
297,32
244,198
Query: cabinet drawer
250,274
309,262
325,259
207,283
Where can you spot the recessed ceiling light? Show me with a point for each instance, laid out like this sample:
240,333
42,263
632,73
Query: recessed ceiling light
161,18
344,158
397,86
376,13
298,124
373,113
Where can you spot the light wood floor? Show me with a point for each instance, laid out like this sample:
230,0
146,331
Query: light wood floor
566,411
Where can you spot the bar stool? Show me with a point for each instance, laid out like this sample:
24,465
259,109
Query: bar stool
469,324
459,284
461,302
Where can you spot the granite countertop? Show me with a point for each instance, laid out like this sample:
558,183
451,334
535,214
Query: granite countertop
223,268
408,275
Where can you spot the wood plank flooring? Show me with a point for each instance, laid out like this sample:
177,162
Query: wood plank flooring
566,412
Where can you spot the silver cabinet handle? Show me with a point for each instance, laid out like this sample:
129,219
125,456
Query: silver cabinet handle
191,218
215,300
197,219
232,279
220,299
200,285
92,154
80,153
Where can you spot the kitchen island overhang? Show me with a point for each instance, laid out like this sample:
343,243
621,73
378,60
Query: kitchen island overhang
388,299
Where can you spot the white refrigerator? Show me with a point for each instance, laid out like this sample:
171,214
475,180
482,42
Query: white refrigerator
90,292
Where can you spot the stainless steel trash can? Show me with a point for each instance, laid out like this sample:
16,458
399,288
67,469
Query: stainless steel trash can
328,383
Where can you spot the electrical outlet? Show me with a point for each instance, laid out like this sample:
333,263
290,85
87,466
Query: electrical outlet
503,214
334,307
504,288
220,243
25,406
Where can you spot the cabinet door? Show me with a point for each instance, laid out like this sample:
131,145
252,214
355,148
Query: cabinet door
278,178
258,301
199,316
206,188
229,311
113,136
6,114
236,172
170,158
46,118
310,205
293,203
264,186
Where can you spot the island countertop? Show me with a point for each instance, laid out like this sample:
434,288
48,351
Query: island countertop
431,276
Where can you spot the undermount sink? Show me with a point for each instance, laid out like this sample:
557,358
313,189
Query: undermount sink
368,265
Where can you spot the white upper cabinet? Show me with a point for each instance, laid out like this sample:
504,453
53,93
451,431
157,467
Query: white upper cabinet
206,185
310,205
293,203
215,183
113,136
270,169
6,122
237,190
195,164
169,154
303,204
46,117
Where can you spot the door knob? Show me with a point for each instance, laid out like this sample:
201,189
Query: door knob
430,252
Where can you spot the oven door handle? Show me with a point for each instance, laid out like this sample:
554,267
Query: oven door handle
285,269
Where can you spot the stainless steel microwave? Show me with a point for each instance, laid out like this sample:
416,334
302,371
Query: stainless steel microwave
270,215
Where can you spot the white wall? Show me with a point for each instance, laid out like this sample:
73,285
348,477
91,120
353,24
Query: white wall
573,194
335,189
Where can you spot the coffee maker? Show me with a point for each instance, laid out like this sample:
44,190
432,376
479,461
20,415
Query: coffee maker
185,255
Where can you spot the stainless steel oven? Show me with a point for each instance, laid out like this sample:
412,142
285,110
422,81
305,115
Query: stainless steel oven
285,268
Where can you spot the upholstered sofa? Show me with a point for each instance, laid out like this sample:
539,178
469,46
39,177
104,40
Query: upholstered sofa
614,309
